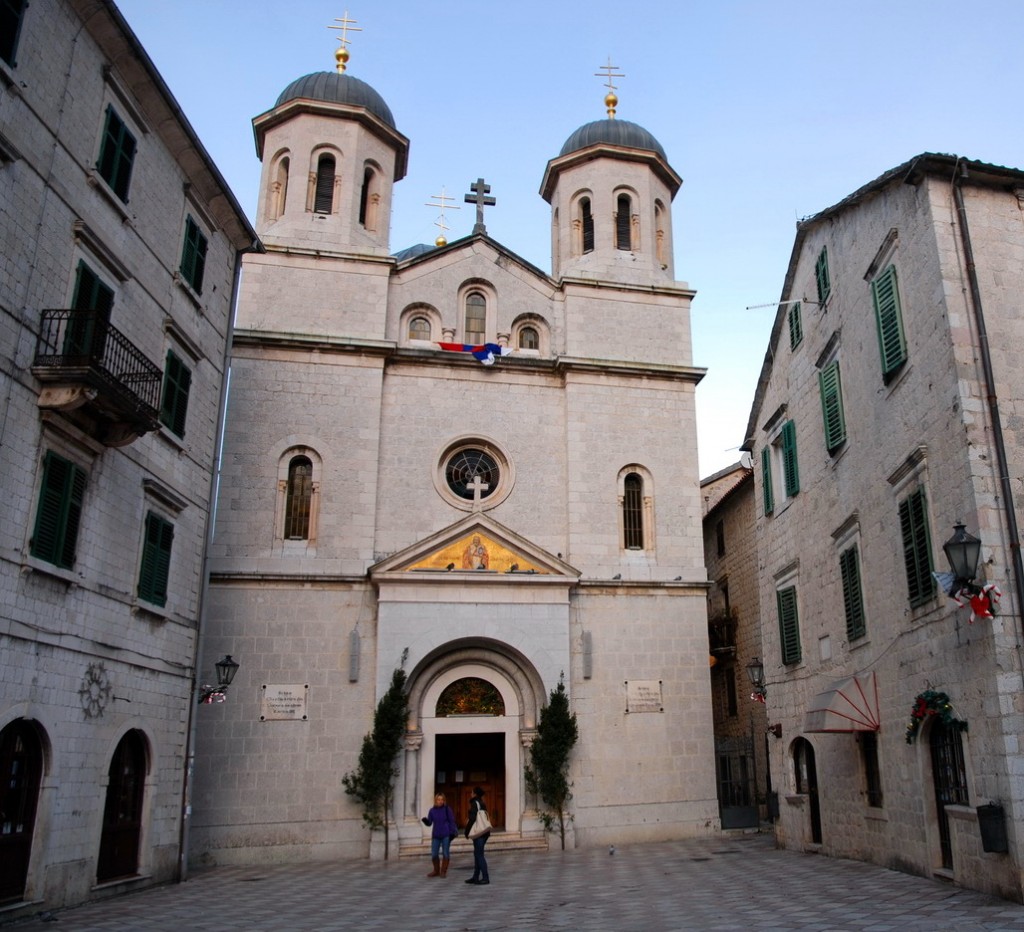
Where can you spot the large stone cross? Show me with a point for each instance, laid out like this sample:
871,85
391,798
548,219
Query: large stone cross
480,189
479,487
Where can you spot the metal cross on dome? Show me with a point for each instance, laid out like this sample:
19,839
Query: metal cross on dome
480,189
347,25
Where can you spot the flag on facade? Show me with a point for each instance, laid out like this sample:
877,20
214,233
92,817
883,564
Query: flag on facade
485,352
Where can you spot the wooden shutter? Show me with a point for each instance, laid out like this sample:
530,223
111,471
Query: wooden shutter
193,256
796,326
174,405
156,560
791,472
821,276
623,235
59,511
789,625
889,317
766,480
117,154
853,601
323,202
916,548
587,220
832,407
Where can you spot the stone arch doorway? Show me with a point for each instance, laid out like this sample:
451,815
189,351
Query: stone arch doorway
21,772
457,749
120,840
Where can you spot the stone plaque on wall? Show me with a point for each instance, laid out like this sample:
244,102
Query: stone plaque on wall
284,703
643,696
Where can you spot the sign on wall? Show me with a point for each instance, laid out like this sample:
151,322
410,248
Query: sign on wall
643,696
284,703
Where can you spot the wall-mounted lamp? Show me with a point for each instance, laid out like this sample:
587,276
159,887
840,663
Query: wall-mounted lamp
226,669
755,670
962,551
775,729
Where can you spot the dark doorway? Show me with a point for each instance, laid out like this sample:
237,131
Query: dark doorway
122,814
950,778
21,769
807,783
737,793
462,762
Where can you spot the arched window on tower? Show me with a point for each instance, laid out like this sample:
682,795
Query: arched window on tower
633,512
529,338
419,328
279,189
586,225
623,222
476,318
323,199
369,198
659,233
298,498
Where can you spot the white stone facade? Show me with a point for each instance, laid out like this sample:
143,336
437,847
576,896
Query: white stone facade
93,669
916,454
594,406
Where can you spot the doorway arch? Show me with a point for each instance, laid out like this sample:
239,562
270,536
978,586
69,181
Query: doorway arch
21,772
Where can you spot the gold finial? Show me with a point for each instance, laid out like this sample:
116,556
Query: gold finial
440,201
341,56
610,100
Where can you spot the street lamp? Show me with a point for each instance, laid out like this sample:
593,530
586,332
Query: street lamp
962,551
226,669
755,670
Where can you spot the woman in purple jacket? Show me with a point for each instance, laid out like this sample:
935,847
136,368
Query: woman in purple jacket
445,829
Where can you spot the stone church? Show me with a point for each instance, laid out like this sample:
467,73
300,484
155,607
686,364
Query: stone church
499,519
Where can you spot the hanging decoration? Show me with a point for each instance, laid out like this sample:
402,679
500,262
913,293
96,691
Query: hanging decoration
931,703
981,601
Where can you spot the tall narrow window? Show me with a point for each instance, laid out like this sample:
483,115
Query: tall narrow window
766,480
298,498
323,201
789,625
587,225
529,338
659,233
11,14
174,400
623,222
117,155
87,331
419,328
853,599
476,318
832,407
790,470
193,256
821,276
796,326
633,512
368,198
280,189
59,511
888,315
917,556
872,772
156,559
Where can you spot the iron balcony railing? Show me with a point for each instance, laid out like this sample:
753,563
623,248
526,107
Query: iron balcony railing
83,346
722,633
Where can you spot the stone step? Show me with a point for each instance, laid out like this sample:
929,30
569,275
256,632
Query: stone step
497,842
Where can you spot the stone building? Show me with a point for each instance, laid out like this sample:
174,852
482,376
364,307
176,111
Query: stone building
887,411
505,524
734,641
120,245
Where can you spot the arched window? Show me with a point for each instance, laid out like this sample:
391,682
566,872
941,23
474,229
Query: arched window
368,200
470,696
419,328
586,225
529,338
279,191
476,318
298,498
623,222
122,814
323,199
633,512
659,232
21,771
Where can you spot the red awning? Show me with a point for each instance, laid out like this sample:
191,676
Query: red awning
847,705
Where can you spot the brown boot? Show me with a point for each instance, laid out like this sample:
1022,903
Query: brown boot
437,867
444,866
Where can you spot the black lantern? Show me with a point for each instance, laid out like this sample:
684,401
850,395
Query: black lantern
755,670
226,669
962,551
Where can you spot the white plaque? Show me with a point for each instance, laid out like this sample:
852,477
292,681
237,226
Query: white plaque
284,703
643,696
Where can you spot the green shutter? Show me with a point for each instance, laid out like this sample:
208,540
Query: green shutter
193,256
59,511
766,480
832,407
889,317
789,625
821,276
117,154
790,472
156,560
174,404
86,333
917,559
853,600
796,326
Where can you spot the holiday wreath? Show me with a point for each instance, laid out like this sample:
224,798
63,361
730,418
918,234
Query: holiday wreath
931,703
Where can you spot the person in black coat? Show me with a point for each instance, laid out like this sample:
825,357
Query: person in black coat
476,806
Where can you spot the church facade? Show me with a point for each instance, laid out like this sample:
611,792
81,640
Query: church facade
496,521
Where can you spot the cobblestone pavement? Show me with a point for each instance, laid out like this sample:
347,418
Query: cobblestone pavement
729,882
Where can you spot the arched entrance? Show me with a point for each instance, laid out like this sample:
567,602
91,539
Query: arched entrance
806,773
21,769
122,814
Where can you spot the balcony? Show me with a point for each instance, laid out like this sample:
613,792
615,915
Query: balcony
722,634
96,377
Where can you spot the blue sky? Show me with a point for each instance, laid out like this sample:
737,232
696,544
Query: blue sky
769,111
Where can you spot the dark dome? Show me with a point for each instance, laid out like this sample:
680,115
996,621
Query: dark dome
411,252
338,89
612,133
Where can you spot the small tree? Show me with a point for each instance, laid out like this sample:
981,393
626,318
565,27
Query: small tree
547,773
371,783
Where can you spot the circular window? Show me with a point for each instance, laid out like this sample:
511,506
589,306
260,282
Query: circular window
473,473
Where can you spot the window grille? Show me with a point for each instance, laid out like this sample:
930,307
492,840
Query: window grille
632,512
298,498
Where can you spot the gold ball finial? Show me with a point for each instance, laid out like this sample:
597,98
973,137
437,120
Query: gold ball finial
440,241
341,56
611,102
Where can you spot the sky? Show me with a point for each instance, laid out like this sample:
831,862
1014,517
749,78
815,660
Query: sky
770,112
